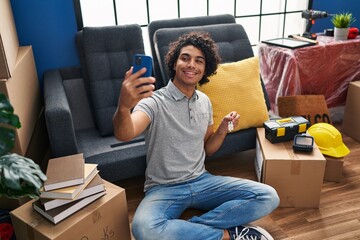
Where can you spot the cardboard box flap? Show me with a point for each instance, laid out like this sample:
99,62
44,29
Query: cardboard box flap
9,40
4,68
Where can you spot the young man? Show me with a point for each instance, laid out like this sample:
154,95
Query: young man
178,125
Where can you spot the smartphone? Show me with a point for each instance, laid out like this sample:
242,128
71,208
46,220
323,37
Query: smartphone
140,61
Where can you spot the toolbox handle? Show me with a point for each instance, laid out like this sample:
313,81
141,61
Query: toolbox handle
284,120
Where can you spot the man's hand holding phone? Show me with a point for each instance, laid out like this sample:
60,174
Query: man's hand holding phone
138,82
140,61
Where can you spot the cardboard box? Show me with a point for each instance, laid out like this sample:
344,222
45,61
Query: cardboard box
350,125
23,91
9,42
106,218
333,169
296,176
39,144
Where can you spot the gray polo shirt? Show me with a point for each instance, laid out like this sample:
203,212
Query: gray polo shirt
175,136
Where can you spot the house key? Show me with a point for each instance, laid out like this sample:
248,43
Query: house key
230,126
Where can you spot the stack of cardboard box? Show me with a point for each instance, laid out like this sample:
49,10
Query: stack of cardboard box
18,78
19,82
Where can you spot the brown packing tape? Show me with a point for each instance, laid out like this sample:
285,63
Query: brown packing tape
295,167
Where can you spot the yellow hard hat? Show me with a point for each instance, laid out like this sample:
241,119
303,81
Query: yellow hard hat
328,139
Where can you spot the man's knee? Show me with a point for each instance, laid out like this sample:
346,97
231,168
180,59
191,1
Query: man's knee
273,198
143,228
139,228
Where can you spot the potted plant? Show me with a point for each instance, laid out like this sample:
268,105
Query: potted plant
19,176
342,22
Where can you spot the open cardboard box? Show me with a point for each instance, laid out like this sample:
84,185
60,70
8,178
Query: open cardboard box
296,176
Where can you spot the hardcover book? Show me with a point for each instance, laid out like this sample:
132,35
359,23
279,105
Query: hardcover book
58,214
90,170
96,185
64,172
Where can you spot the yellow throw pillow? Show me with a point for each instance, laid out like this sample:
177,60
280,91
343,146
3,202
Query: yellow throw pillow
237,87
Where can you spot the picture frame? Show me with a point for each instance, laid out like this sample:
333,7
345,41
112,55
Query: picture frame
288,43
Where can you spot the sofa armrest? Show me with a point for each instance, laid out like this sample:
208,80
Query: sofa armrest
58,116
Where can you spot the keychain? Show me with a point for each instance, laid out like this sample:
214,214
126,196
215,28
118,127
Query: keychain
230,126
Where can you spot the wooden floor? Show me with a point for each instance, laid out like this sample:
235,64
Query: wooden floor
338,216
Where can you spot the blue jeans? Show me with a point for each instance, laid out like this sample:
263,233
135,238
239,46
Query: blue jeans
228,202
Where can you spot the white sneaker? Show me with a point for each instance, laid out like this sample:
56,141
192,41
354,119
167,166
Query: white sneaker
248,232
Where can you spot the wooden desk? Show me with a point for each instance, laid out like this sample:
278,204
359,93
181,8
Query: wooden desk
326,69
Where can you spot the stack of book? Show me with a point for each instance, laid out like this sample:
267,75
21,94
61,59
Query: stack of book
71,185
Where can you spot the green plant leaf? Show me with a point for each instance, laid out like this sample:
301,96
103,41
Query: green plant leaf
343,20
20,176
7,115
8,121
7,140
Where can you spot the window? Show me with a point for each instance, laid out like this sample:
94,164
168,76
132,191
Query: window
262,19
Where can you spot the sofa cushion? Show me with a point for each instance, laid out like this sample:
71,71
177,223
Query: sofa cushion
180,23
78,103
108,53
237,87
231,39
116,160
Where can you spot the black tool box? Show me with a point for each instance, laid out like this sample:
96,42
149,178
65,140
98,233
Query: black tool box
284,129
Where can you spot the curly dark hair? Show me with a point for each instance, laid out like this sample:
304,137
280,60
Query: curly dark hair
200,40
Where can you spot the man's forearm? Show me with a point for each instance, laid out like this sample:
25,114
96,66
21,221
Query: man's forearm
123,125
214,142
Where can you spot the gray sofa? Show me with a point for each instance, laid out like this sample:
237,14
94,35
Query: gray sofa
233,44
80,101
